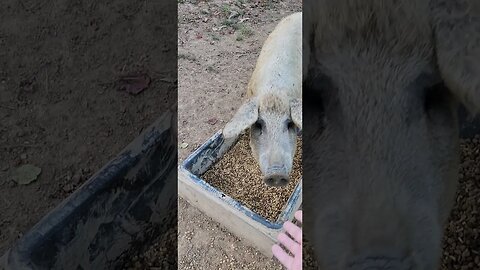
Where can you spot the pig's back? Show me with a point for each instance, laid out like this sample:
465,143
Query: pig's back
279,66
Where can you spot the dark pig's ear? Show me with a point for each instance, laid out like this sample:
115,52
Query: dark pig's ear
456,28
246,115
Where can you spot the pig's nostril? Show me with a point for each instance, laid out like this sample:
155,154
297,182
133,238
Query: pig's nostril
269,181
283,182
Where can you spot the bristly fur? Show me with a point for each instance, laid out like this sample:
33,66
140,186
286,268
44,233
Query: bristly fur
381,176
274,103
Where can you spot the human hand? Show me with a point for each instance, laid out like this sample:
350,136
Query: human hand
293,245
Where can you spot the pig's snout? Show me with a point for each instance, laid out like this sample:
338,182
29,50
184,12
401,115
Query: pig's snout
276,176
382,263
276,180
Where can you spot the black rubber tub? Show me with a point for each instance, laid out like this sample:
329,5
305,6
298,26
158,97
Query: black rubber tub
130,201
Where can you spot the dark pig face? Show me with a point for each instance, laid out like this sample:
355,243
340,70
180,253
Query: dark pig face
382,91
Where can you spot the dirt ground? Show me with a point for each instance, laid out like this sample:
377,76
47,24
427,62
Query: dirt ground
60,104
218,44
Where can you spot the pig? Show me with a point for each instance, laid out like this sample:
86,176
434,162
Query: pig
273,111
383,82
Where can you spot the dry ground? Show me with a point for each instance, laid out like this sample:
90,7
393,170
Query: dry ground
60,108
219,42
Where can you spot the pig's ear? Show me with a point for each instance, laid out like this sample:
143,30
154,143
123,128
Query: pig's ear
456,26
296,112
246,116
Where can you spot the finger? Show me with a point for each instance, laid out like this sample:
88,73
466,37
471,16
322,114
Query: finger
288,243
298,215
294,231
282,256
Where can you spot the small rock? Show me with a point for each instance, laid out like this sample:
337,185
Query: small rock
68,187
212,121
183,145
76,178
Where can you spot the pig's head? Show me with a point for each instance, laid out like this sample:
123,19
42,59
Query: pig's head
274,121
380,171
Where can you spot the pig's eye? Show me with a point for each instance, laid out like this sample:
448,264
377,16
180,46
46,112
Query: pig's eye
290,125
436,97
258,126
434,94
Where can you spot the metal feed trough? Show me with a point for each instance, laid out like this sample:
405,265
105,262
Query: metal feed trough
236,217
127,204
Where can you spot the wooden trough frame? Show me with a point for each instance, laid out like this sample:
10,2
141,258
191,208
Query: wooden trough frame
236,217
